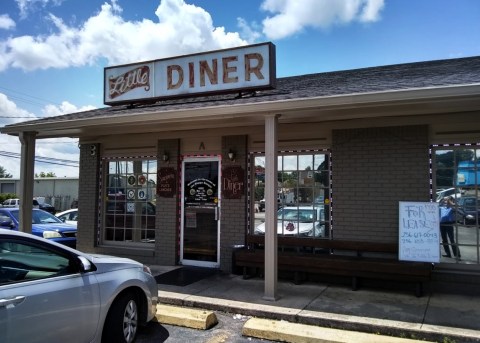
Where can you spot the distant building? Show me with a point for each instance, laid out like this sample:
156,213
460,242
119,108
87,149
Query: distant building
57,191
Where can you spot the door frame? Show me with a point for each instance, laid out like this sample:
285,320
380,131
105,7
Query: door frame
198,263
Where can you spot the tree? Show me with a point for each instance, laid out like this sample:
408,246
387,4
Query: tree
4,174
43,174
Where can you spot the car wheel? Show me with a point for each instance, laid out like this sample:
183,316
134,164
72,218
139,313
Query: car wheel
121,324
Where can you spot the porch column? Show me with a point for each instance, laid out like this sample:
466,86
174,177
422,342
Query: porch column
271,168
27,168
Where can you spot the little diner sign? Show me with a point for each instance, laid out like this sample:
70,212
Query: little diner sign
245,68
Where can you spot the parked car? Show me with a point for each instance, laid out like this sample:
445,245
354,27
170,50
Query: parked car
455,193
16,203
468,210
47,207
43,225
53,293
305,221
69,216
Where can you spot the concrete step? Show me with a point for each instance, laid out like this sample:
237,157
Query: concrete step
283,331
187,317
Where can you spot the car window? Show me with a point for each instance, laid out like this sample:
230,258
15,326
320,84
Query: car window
40,217
69,216
4,218
22,261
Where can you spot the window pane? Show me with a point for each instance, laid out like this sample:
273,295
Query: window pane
129,210
305,162
303,180
290,162
321,162
456,173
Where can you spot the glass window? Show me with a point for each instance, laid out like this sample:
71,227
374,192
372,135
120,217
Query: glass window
129,209
303,194
456,176
21,262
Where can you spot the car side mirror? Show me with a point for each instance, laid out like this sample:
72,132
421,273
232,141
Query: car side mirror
85,265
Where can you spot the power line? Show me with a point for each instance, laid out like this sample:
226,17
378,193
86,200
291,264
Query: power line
43,159
33,101
40,141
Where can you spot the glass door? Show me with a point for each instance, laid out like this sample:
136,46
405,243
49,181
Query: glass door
199,244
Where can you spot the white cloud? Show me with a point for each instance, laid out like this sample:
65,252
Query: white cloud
64,108
58,148
10,113
250,31
181,28
6,23
26,6
291,16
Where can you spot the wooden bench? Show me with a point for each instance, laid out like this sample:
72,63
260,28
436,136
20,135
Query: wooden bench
355,259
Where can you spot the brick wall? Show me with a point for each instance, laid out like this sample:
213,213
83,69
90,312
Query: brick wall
88,197
233,211
167,235
372,170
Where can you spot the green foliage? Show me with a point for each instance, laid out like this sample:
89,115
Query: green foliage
43,174
4,174
5,196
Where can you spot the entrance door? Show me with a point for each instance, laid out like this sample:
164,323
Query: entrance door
200,212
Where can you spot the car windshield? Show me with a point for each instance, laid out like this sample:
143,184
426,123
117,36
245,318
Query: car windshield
40,217
470,203
301,215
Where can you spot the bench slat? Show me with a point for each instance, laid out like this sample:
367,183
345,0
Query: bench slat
330,260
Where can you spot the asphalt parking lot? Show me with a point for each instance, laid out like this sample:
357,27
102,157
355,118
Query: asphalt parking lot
228,329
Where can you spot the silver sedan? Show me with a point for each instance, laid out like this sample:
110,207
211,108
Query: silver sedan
52,293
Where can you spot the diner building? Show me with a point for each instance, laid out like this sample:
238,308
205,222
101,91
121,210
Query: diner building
195,153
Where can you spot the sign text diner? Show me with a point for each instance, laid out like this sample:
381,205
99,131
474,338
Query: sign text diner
245,68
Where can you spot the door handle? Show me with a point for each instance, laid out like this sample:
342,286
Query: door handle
216,213
11,302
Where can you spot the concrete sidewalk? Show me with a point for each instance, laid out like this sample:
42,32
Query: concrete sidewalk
436,317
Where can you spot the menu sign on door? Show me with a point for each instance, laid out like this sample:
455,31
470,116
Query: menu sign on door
200,191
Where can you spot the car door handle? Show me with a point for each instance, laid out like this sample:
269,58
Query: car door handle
11,302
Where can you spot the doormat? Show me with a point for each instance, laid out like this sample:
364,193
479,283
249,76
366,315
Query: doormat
184,276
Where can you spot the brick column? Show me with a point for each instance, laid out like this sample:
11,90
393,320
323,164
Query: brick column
167,217
88,190
233,211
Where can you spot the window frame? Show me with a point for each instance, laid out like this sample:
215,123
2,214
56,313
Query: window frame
128,213
293,170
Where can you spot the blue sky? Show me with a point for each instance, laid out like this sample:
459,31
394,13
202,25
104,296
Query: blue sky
52,52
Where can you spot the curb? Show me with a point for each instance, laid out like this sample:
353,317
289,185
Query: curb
323,319
283,331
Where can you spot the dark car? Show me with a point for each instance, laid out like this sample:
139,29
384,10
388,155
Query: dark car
43,225
468,210
47,207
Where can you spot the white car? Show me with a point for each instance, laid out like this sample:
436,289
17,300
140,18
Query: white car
306,221
449,192
69,216
16,203
53,293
